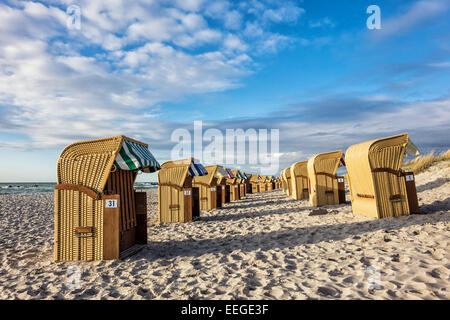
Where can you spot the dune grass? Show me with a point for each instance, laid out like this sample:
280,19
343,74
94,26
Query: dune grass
422,163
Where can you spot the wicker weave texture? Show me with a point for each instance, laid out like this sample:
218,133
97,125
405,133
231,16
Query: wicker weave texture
76,209
322,170
375,188
299,179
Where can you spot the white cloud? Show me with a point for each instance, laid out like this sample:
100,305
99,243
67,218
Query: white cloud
287,13
325,22
233,42
274,42
57,85
233,20
444,64
415,14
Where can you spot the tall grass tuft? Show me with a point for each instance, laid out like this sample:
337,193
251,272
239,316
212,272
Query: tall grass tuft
422,163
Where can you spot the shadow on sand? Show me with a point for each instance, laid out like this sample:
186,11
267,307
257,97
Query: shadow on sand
282,238
433,184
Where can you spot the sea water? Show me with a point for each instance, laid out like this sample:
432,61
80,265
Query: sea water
26,187
44,187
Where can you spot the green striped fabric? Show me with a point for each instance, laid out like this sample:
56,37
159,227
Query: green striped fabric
239,175
134,156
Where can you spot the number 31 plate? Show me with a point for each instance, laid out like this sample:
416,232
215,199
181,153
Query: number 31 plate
111,203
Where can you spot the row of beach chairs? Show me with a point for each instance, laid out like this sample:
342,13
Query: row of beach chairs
100,216
378,186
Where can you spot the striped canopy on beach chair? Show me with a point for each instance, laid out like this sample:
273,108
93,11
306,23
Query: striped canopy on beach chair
238,174
194,167
135,156
230,173
221,173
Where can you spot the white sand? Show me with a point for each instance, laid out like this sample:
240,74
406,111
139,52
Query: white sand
263,247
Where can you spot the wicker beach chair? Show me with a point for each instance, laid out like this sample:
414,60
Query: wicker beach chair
240,179
323,182
222,176
287,174
378,186
234,185
283,180
178,199
210,192
299,177
98,215
248,185
262,183
254,183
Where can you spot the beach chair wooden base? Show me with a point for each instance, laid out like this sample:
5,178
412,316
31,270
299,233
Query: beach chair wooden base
234,192
411,192
195,203
341,189
241,191
248,188
227,194
219,196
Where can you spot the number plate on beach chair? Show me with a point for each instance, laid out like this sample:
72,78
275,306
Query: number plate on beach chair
110,203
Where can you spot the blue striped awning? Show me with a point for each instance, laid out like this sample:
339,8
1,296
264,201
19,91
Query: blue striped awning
196,169
134,156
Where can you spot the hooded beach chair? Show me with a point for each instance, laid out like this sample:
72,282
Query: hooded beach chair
262,183
178,199
234,186
222,176
269,183
254,183
378,186
246,181
211,193
287,174
283,181
240,179
275,183
208,191
98,215
248,185
299,178
242,187
323,182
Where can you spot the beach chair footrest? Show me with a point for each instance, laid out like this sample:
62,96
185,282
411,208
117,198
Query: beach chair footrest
131,251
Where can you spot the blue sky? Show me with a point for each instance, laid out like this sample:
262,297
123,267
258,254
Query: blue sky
311,69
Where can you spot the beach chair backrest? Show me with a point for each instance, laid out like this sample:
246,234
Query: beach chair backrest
323,182
377,184
299,177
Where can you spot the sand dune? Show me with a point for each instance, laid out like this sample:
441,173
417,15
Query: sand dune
266,246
